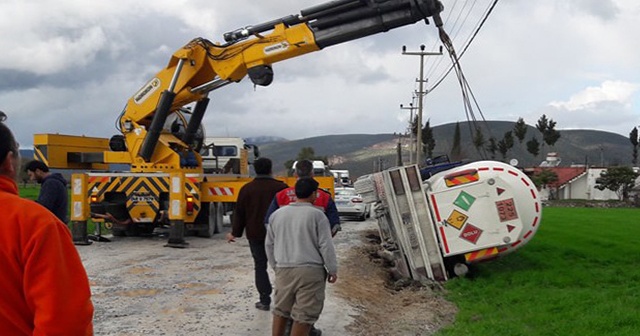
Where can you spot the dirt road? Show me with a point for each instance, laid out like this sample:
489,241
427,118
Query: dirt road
141,287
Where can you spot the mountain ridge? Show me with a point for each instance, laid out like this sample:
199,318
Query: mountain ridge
363,153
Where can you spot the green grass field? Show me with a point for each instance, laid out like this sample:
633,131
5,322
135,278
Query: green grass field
578,276
29,191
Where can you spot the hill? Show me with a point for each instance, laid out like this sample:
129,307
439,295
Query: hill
363,153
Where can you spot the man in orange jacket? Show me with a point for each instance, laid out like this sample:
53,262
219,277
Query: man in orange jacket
44,286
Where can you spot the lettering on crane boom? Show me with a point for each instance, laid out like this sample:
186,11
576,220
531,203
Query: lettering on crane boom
146,91
276,48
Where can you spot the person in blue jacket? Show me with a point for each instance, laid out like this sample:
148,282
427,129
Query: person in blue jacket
53,192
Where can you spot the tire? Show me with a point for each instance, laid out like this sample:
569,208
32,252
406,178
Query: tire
214,221
132,230
216,216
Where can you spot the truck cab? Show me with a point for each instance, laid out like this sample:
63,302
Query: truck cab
227,155
319,168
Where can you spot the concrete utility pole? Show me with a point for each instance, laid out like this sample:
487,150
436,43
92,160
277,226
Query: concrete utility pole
421,93
411,143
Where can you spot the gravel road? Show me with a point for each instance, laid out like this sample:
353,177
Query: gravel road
141,287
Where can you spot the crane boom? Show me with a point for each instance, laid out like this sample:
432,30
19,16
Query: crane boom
202,66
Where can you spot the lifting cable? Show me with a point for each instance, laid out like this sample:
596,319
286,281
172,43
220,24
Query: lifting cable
468,98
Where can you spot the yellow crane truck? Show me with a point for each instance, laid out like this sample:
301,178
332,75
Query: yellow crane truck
161,133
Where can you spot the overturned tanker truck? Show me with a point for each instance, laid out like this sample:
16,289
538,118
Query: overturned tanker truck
436,221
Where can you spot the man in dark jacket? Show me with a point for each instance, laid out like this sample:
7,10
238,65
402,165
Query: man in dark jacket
53,192
251,207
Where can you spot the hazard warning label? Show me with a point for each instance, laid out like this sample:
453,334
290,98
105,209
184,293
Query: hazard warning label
457,219
506,210
464,201
471,233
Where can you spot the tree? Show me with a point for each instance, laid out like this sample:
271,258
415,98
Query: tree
544,178
505,144
533,146
547,128
551,136
520,130
413,126
543,124
492,147
456,149
479,141
306,153
633,137
428,139
619,179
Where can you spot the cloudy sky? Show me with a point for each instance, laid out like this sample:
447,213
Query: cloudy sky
69,66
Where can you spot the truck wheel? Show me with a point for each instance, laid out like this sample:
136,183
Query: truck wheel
132,230
216,216
214,221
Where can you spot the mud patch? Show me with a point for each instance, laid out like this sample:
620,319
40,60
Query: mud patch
388,306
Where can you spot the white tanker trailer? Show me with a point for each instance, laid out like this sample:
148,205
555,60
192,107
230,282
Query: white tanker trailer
436,221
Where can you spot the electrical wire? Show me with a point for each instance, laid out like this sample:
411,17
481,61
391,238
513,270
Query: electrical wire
464,49
468,98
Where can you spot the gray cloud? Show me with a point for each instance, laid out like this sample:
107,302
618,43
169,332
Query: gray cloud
69,67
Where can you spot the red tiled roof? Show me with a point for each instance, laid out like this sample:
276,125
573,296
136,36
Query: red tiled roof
565,174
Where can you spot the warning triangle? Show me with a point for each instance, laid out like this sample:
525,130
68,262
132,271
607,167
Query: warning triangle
500,191
510,227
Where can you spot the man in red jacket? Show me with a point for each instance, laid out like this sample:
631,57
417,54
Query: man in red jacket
304,168
45,289
251,207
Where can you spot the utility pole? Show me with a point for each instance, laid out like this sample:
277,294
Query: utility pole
421,93
411,142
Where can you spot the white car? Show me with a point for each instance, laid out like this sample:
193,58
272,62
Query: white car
349,203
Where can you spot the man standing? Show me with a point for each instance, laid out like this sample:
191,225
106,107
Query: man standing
45,289
304,169
300,250
53,192
251,208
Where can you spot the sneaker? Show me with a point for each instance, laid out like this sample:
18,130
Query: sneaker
315,332
262,306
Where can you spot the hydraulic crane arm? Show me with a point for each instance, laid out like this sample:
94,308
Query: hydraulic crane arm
202,66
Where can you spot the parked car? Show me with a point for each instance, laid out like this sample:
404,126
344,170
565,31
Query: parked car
350,203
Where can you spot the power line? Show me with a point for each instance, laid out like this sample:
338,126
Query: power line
484,19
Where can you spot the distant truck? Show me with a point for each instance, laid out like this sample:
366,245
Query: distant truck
341,177
228,155
319,168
